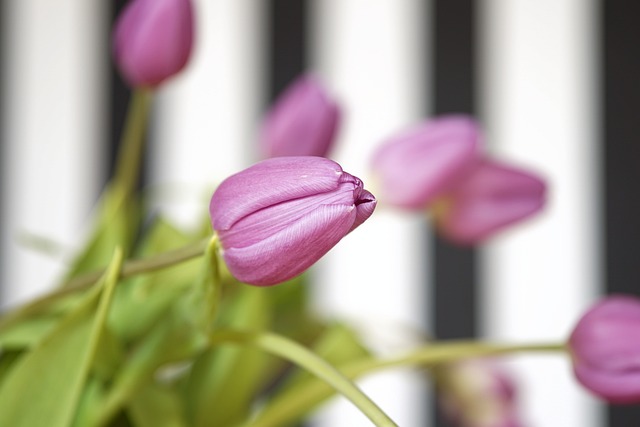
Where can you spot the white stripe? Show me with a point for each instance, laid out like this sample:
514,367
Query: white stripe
207,116
370,54
540,98
55,72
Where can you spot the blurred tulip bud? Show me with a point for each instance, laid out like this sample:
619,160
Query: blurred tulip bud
605,346
491,197
412,169
302,122
478,393
152,40
278,217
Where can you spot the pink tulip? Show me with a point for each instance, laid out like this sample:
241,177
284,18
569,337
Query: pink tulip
605,346
152,40
478,393
302,122
278,217
414,168
491,196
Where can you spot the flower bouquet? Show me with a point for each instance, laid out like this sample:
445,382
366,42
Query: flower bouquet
155,326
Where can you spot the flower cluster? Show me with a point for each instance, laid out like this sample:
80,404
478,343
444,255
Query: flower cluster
108,348
440,166
267,215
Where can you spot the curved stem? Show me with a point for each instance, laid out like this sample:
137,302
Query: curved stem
294,352
293,404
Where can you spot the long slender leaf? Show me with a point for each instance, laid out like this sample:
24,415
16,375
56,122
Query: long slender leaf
51,377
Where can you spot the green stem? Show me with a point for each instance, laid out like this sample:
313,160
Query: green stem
211,252
147,265
296,402
294,352
132,143
130,268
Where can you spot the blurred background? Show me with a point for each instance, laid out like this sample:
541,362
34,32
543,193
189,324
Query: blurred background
554,82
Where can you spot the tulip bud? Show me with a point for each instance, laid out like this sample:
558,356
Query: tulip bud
478,393
302,122
152,40
491,197
414,168
605,346
278,217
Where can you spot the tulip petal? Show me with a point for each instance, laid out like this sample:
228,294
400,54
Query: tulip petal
414,168
605,346
492,196
153,40
270,182
302,122
266,222
615,387
278,217
289,253
365,205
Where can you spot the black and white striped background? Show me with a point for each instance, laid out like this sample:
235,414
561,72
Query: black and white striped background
554,82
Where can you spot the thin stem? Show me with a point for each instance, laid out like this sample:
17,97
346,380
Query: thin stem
146,265
132,142
293,404
211,252
130,268
294,352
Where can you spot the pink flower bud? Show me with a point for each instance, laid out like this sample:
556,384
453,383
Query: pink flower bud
605,346
278,217
478,393
414,168
152,40
491,197
302,122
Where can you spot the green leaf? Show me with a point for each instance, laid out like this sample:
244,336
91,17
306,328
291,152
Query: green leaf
116,227
27,326
49,308
28,333
51,376
143,300
156,406
8,359
90,401
171,340
180,332
224,381
292,314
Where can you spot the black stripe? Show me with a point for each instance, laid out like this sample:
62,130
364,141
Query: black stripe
453,86
622,160
454,293
287,50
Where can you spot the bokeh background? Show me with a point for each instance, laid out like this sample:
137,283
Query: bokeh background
554,82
